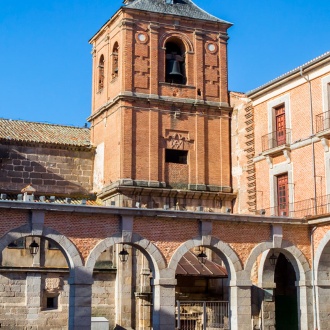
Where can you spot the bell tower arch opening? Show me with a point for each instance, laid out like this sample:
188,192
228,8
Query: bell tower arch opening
175,61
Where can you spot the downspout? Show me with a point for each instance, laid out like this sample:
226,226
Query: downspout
315,311
312,135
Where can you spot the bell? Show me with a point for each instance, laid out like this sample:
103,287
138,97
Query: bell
174,68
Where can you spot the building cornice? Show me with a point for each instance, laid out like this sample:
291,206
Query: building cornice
224,106
149,213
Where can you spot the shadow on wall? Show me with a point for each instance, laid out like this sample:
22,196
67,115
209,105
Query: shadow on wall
61,171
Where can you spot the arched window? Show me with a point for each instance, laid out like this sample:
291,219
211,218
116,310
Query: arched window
101,73
115,65
175,62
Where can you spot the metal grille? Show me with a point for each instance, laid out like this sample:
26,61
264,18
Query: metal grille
202,315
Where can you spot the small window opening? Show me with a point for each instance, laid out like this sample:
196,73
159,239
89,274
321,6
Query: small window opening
52,302
176,156
199,92
17,244
101,73
52,246
115,52
175,62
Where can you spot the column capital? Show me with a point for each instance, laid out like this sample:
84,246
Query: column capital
165,281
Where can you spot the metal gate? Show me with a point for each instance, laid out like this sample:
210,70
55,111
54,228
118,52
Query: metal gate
202,315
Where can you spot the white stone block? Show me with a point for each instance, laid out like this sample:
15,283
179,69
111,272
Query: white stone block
100,323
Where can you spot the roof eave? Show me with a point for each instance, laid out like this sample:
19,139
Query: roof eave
288,76
117,13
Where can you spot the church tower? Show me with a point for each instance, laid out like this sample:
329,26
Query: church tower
160,115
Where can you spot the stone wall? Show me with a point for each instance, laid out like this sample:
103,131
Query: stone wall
49,170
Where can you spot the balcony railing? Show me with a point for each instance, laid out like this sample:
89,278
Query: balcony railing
323,121
301,209
276,139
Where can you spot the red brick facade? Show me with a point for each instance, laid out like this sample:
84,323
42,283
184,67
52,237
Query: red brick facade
139,116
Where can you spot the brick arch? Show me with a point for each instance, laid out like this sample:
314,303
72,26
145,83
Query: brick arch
68,249
295,256
183,37
151,252
227,254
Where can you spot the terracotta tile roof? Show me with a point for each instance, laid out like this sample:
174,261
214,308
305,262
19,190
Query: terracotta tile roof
25,131
190,266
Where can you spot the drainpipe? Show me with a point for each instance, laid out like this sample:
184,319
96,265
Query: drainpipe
306,77
315,312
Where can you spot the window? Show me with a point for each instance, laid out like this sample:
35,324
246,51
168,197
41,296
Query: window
323,119
101,73
115,65
282,195
52,302
52,246
175,62
279,124
176,156
280,133
17,244
328,94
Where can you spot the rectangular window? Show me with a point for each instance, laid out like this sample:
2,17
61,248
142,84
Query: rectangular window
176,156
52,302
282,195
280,125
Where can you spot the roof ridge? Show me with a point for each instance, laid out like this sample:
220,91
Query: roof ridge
42,123
183,8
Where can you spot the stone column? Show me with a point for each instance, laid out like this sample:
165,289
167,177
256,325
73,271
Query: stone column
33,298
124,294
240,306
80,301
164,304
323,303
304,294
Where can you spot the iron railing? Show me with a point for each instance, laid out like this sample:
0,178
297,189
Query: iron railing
323,121
276,139
202,315
301,209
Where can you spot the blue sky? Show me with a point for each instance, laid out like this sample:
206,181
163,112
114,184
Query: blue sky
45,58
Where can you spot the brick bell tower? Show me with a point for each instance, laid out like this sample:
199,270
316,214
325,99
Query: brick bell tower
160,115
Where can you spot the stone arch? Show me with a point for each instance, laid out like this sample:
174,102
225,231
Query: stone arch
79,281
322,280
179,35
154,256
68,249
266,274
227,254
319,254
296,257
